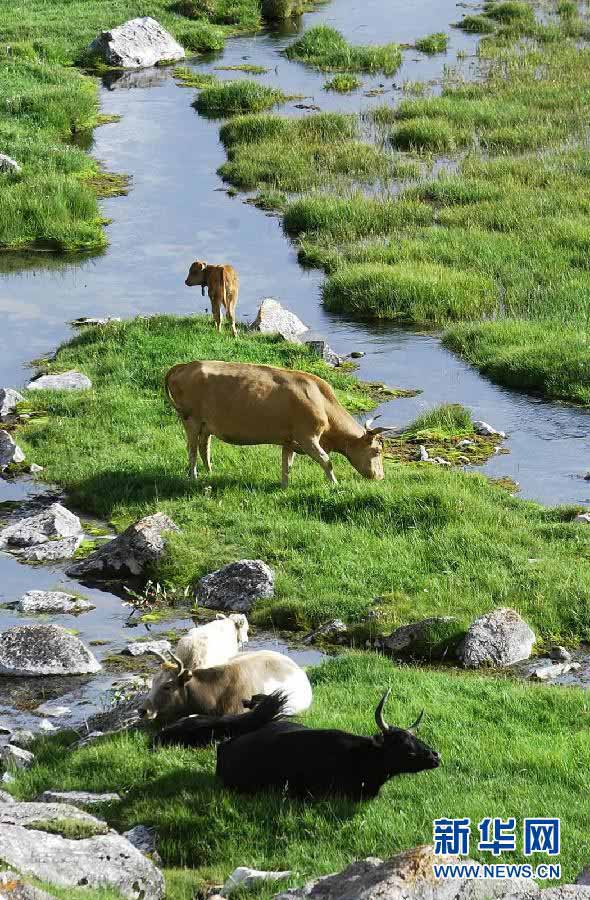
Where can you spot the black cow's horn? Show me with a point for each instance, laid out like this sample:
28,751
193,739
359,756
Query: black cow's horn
178,662
369,422
417,722
381,723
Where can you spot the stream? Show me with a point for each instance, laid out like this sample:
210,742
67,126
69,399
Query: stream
178,210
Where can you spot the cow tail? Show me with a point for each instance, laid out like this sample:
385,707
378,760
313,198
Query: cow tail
168,392
224,287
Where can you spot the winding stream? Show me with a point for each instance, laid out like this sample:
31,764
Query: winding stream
178,209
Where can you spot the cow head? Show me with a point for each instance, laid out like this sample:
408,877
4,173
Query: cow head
241,623
366,452
167,696
196,275
401,749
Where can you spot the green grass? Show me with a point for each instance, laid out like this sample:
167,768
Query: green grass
73,829
434,135
357,216
326,49
232,98
244,67
343,83
408,293
487,732
433,43
45,101
427,541
477,24
448,420
189,78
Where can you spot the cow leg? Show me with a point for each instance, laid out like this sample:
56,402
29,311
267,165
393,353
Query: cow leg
205,450
216,307
314,449
231,312
288,457
192,442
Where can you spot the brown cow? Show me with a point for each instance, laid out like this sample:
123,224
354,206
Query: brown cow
222,286
242,403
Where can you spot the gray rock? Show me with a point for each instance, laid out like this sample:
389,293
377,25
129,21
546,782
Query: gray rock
47,726
137,44
35,602
123,716
12,887
89,739
8,402
8,165
105,861
561,654
139,546
65,381
407,876
7,778
89,320
5,797
30,650
465,443
548,670
15,757
333,630
56,712
34,468
498,638
357,354
10,452
273,318
432,638
245,878
324,351
21,737
54,522
19,813
51,551
584,876
141,648
77,798
236,586
581,519
143,839
481,427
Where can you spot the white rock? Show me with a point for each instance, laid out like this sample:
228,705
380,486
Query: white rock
88,320
54,522
498,638
550,670
273,318
244,877
46,725
21,737
583,518
5,797
8,401
15,757
66,381
142,648
24,813
30,650
465,443
137,44
8,778
56,712
10,452
36,602
483,428
51,551
8,165
423,453
441,462
324,351
34,468
12,887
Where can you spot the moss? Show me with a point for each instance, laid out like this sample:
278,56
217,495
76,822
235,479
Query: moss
108,184
72,829
343,84
189,78
244,67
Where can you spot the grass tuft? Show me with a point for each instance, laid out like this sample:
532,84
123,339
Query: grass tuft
433,43
232,98
343,84
326,49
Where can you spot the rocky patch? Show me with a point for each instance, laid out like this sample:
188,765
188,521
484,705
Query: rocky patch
237,586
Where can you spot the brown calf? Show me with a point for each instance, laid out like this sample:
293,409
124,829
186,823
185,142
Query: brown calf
222,285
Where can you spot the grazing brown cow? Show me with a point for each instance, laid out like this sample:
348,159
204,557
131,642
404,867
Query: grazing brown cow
222,286
242,403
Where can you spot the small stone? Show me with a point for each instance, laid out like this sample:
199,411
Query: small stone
8,778
498,638
423,454
245,878
57,602
357,354
8,402
8,166
550,670
560,654
15,757
465,443
143,839
137,44
89,320
433,638
143,648
56,712
586,477
89,739
236,586
78,798
66,381
333,630
273,318
22,738
324,351
46,725
481,427
441,462
34,469
10,452
583,519
5,797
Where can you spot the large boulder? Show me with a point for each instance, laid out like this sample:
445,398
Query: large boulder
51,551
57,602
54,522
499,638
8,402
106,861
433,638
10,452
237,586
130,553
31,650
407,876
272,318
137,44
65,381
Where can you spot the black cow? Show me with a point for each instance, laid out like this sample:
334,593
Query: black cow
310,762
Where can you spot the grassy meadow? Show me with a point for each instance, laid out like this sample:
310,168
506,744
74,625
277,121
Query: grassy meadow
486,729
425,541
498,246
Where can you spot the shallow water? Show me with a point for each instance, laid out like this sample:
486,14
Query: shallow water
178,209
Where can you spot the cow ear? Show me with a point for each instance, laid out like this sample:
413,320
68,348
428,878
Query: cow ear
185,676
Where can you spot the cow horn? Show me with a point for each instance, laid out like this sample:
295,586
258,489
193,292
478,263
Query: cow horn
178,662
415,725
369,422
159,655
381,723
